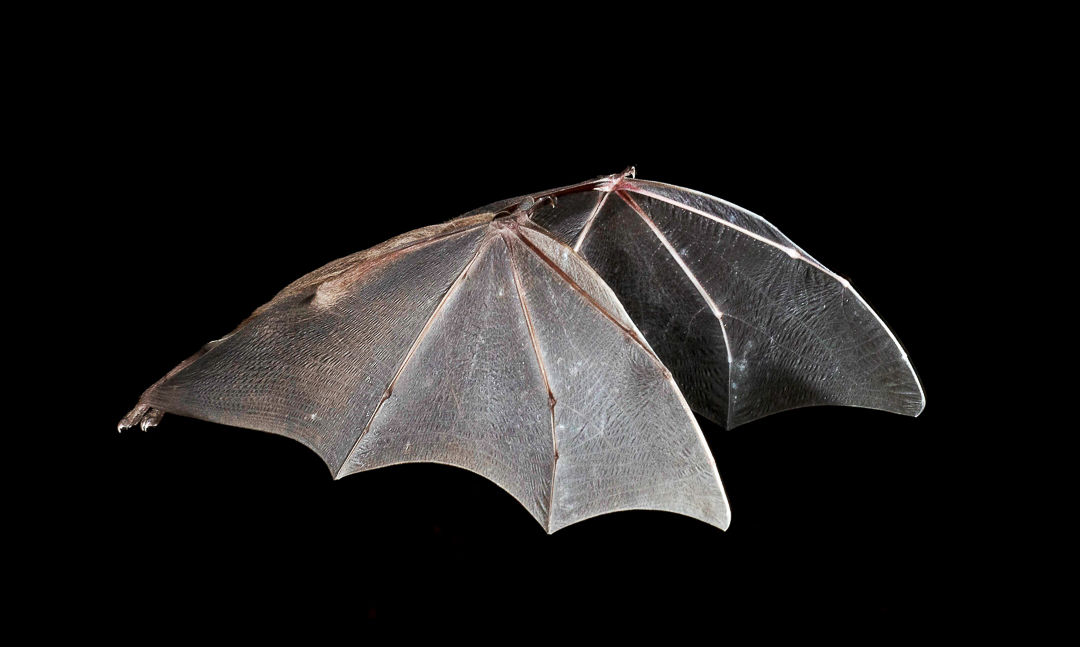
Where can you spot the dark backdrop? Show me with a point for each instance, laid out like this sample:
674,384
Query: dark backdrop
215,193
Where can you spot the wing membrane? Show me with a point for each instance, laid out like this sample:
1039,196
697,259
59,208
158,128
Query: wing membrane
304,366
493,348
748,322
625,436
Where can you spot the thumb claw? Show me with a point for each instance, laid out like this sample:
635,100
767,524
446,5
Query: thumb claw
142,415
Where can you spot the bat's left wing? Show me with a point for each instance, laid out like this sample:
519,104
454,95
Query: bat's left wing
482,343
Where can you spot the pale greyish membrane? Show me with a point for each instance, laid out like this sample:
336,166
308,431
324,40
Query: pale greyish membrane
316,372
748,323
626,437
488,346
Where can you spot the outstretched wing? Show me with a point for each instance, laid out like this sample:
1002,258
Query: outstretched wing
305,365
483,344
748,323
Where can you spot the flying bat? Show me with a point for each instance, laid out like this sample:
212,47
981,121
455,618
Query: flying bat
555,344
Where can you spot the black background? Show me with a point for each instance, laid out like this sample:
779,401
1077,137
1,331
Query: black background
215,189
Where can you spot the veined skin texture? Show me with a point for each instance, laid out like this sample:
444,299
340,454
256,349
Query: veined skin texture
554,346
484,344
748,323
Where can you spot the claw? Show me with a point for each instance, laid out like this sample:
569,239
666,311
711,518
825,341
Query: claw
142,415
612,182
152,418
540,201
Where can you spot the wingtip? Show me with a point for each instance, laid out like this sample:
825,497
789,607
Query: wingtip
725,520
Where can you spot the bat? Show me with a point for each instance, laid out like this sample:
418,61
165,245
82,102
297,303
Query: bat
546,342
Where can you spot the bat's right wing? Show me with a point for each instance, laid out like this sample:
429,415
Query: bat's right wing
748,323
